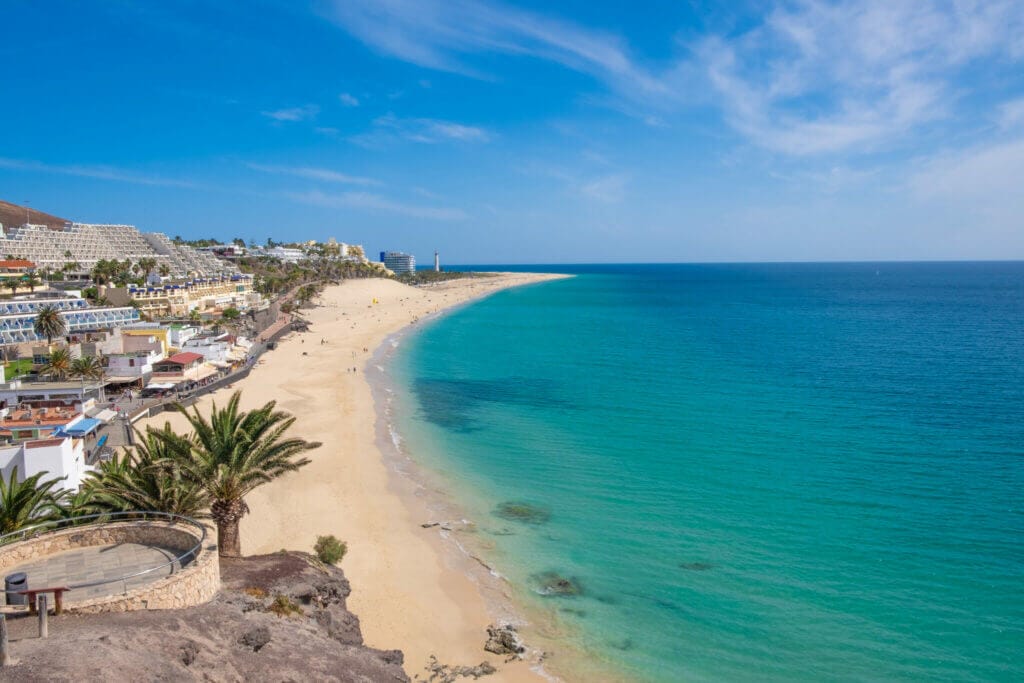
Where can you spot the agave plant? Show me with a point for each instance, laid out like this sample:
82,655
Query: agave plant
28,502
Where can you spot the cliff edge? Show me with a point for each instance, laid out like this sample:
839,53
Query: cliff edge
278,617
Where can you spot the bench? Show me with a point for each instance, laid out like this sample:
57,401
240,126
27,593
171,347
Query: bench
58,597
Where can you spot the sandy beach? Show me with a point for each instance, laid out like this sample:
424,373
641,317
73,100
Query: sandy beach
407,590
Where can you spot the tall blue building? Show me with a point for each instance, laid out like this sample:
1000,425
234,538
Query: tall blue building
398,263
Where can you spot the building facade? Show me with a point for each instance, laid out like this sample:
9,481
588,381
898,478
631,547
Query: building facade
178,300
87,243
17,318
398,262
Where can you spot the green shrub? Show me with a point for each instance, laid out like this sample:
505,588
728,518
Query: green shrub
329,549
283,606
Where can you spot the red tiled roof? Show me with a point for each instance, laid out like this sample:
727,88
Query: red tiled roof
185,357
16,263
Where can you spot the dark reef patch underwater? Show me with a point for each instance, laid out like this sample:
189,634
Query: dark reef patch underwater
453,403
527,513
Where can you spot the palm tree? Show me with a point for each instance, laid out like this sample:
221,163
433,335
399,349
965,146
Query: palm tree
87,367
58,364
148,478
164,270
50,323
147,265
72,267
13,283
27,502
232,453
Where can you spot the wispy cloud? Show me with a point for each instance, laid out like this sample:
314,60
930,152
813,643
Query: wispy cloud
441,34
819,77
313,173
292,114
813,77
348,100
609,189
97,172
377,203
389,128
988,175
1011,114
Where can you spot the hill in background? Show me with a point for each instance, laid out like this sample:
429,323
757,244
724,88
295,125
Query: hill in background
12,214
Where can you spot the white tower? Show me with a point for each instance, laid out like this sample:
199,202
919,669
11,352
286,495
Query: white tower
437,263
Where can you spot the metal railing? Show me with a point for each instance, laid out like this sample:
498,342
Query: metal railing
36,530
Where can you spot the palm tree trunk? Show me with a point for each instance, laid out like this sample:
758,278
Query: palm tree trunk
227,514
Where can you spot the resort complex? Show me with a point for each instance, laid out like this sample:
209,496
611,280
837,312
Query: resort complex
78,247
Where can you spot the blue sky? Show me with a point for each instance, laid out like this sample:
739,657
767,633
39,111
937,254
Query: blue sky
529,132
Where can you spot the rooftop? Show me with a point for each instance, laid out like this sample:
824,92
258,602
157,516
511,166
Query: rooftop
185,358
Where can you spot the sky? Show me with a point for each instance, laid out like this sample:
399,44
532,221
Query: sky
528,132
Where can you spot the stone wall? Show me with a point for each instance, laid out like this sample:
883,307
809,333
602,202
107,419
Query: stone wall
197,583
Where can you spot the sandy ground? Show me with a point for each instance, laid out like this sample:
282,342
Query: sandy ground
405,592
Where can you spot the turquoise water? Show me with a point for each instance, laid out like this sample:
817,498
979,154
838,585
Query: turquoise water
756,472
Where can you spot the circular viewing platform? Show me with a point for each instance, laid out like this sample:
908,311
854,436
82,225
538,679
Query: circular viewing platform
116,561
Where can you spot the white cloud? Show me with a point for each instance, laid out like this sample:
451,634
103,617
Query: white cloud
609,189
821,77
988,175
97,172
378,203
1011,114
291,114
439,34
428,131
312,173
348,100
814,77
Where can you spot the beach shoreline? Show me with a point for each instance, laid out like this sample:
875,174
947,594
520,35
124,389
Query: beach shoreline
410,589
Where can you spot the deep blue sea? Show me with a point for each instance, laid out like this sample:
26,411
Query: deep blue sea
801,472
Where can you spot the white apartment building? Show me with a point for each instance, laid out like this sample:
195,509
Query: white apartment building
60,457
286,254
131,366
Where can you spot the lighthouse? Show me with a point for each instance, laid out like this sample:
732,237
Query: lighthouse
437,263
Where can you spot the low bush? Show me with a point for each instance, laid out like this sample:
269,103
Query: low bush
329,549
283,606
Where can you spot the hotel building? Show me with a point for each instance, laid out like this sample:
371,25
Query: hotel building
398,263
86,244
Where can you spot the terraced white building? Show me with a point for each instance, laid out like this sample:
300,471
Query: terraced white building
87,243
17,318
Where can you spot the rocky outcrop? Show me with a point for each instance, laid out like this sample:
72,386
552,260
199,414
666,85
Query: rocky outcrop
278,617
503,640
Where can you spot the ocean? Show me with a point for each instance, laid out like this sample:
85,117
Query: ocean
797,472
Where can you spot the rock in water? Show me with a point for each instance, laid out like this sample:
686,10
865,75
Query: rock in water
526,513
554,584
503,640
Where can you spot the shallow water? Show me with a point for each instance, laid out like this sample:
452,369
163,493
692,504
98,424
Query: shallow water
746,472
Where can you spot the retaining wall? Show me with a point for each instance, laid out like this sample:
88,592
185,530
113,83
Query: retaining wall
195,584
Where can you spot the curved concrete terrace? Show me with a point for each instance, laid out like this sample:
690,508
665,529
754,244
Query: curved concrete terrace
119,562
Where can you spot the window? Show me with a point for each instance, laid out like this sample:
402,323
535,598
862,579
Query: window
131,362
